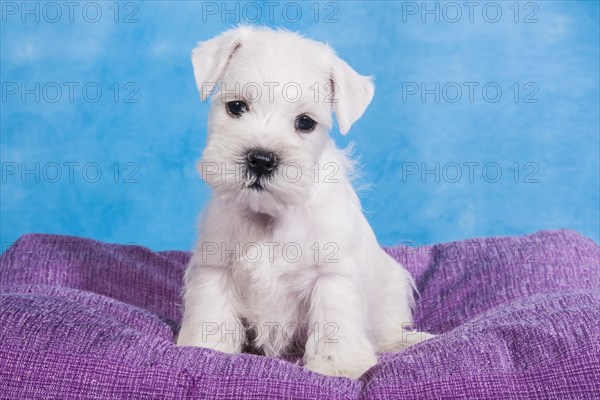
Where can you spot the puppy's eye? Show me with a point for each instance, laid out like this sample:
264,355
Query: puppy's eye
237,108
304,123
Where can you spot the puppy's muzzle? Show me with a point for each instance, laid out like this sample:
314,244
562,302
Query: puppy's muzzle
261,163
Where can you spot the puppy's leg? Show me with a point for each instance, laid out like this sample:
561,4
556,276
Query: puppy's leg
210,315
337,339
395,330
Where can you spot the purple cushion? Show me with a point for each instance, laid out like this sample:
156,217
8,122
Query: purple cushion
517,318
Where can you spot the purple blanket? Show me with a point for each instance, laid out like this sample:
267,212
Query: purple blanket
516,317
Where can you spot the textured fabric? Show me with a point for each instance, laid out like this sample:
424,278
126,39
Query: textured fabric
516,317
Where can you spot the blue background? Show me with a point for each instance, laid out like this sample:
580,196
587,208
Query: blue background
152,196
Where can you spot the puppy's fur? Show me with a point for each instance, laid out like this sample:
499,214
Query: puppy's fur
291,264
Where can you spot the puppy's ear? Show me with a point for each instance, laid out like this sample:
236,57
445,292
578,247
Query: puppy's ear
210,59
352,93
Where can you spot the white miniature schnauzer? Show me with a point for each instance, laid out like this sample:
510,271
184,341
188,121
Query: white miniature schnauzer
286,261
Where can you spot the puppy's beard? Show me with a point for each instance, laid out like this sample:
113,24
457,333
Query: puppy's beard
290,183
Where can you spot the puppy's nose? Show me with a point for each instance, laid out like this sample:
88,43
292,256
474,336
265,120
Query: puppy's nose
261,162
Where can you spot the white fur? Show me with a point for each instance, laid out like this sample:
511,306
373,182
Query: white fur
339,309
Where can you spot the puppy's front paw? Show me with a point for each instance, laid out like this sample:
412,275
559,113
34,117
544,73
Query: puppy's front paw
351,365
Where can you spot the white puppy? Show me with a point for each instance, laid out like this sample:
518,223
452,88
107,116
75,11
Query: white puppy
285,260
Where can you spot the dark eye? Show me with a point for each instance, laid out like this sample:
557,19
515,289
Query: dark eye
304,123
237,108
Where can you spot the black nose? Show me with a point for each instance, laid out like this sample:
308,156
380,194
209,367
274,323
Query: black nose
261,162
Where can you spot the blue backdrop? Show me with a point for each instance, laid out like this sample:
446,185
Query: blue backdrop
485,119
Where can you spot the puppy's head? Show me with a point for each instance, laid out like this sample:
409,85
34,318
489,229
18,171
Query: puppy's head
273,94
